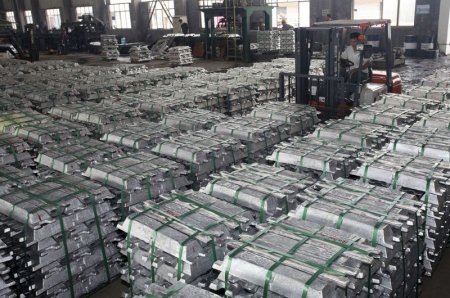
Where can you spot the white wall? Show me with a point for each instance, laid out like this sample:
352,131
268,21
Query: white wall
444,27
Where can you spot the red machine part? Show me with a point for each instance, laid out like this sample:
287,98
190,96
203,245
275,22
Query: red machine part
379,77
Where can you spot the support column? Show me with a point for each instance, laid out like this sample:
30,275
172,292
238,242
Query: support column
444,27
35,12
19,14
67,11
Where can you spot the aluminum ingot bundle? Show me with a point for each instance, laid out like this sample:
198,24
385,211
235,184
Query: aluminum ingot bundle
109,47
50,132
409,102
139,177
293,258
179,238
438,93
44,99
139,134
7,283
14,151
268,41
266,191
140,54
10,120
180,55
75,156
287,42
258,135
436,81
427,177
300,118
177,290
203,152
62,235
11,178
8,103
435,119
428,142
321,157
384,115
360,134
193,119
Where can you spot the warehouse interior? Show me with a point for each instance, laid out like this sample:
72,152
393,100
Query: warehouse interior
224,148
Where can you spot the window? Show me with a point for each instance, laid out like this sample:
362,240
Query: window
120,16
295,12
163,12
82,10
53,18
400,12
28,17
10,18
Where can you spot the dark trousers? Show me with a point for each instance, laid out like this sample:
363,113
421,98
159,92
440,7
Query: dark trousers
353,79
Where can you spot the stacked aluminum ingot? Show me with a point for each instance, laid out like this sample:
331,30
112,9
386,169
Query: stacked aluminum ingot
62,234
9,103
389,219
287,42
9,121
74,156
427,177
7,284
436,119
164,76
14,151
410,102
320,157
438,93
193,119
12,178
109,47
360,134
268,41
385,115
436,81
181,55
266,191
178,239
177,290
140,54
300,118
428,142
258,135
139,177
139,134
292,258
45,98
203,152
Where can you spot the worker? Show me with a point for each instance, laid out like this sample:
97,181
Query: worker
285,26
184,27
328,18
352,55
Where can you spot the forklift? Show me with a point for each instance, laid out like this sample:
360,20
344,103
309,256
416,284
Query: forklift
330,91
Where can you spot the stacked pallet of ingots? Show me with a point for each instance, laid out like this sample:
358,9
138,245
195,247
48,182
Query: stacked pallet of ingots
12,178
436,119
287,42
438,93
439,79
385,115
62,235
318,157
193,119
110,47
268,41
178,239
422,105
164,76
139,134
10,120
300,118
258,135
290,258
140,54
7,283
181,55
139,177
11,103
132,69
429,179
388,219
43,99
177,290
203,152
265,191
14,151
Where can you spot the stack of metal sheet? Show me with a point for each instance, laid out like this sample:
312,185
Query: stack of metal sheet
436,119
14,151
109,47
389,219
139,177
266,191
410,102
360,134
193,119
322,158
268,41
287,42
300,118
9,121
74,156
178,239
12,178
139,134
181,55
385,115
291,258
61,233
140,54
259,135
427,177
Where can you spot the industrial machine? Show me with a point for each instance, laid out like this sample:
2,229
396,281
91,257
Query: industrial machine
9,41
86,30
329,89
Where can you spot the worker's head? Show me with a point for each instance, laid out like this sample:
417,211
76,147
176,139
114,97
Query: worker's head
283,21
329,18
354,38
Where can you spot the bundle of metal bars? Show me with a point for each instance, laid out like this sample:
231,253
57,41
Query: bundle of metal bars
258,135
164,76
139,134
177,290
385,115
203,152
435,119
287,42
427,177
180,55
75,156
140,54
9,121
178,239
322,158
7,283
436,81
360,134
262,189
132,69
109,47
193,119
410,102
14,151
10,103
268,41
389,219
12,178
293,258
61,235
139,177
438,93
300,118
